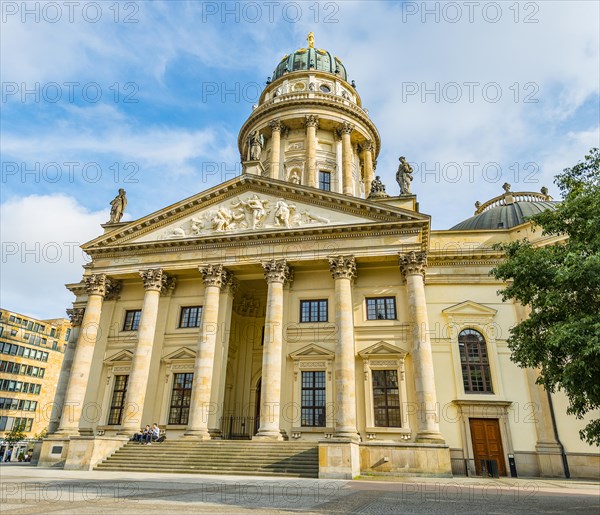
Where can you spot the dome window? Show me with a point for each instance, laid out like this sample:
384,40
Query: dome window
325,88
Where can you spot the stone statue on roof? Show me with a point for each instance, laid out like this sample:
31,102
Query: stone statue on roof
117,209
404,176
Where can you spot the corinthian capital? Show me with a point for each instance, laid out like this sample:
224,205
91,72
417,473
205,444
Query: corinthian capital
152,278
345,128
277,271
311,120
368,146
413,263
214,275
76,316
276,125
96,284
342,267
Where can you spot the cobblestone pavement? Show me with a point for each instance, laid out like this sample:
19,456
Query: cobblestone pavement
25,489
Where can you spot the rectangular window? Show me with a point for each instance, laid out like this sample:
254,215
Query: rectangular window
313,311
313,399
132,320
53,332
190,316
386,398
381,308
325,181
3,421
67,334
180,398
118,400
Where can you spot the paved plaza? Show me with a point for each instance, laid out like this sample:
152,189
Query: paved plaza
26,489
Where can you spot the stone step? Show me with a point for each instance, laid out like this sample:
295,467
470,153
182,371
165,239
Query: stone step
290,459
194,470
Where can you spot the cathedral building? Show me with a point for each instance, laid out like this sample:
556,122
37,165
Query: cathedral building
301,303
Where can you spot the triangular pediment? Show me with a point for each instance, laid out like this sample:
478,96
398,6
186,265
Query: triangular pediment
252,206
381,349
469,308
124,356
312,351
180,354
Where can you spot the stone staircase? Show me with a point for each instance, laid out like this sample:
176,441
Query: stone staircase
290,459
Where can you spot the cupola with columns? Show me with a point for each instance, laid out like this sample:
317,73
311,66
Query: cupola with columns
309,127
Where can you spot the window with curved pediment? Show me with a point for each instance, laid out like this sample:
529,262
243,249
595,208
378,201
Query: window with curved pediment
474,362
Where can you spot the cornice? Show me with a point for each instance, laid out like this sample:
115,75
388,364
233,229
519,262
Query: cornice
284,236
338,202
265,111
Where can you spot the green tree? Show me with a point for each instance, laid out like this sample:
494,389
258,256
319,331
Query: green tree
561,284
16,434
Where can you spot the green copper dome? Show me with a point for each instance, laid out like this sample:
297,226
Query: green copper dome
506,211
310,59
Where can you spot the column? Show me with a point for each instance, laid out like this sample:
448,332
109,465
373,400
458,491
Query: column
228,289
277,273
213,277
76,316
96,286
549,448
413,266
275,147
155,281
347,183
368,160
343,270
311,123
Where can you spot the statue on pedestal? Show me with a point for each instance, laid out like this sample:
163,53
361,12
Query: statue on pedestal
404,176
117,209
255,145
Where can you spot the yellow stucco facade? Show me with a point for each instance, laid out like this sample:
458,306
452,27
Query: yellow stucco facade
31,356
301,301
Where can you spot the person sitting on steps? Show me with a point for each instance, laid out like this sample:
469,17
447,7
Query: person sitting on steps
153,435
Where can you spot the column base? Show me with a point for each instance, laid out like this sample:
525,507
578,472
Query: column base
268,435
430,437
197,434
65,433
347,436
215,433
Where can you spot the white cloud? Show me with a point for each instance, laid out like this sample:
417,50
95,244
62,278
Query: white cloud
41,235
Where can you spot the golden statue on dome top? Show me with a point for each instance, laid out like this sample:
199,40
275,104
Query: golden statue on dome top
311,40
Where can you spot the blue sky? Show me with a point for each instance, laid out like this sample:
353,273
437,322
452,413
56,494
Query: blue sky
178,79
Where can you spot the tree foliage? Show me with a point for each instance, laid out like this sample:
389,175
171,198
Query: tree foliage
561,285
15,435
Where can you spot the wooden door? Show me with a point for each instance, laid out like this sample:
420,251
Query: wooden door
487,442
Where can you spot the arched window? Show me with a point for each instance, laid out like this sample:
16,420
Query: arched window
474,362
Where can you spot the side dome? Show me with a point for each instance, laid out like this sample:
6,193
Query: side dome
310,59
507,210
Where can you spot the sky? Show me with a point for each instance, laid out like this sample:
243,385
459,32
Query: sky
149,97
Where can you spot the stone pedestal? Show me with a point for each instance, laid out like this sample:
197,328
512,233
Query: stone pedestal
338,459
85,452
253,167
405,459
53,451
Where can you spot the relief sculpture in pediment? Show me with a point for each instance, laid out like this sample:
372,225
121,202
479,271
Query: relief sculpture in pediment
244,214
